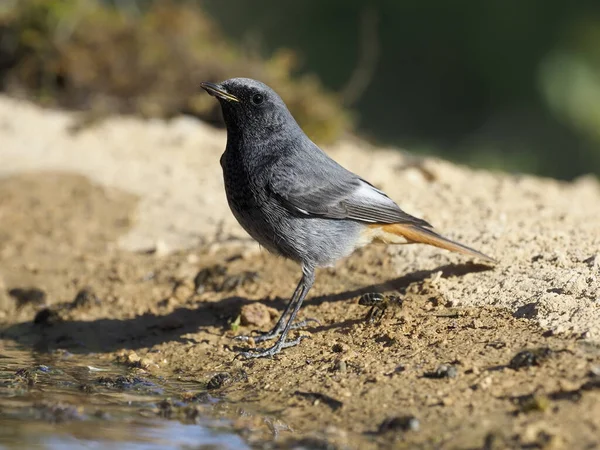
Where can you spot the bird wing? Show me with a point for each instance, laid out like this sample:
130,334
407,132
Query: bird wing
321,187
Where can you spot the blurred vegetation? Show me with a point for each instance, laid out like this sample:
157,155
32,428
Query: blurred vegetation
107,57
498,84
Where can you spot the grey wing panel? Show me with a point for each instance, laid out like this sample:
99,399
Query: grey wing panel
329,190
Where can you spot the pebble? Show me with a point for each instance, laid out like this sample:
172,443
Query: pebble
133,358
192,258
340,366
85,298
160,248
400,423
183,292
148,364
255,314
443,371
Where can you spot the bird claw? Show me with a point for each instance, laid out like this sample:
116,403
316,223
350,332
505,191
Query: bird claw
271,351
304,322
263,336
246,337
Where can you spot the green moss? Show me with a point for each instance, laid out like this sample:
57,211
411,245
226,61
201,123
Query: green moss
83,55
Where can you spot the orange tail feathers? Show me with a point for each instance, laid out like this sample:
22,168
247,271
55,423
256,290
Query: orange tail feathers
417,234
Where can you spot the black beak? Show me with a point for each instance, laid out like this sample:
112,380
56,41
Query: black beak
217,91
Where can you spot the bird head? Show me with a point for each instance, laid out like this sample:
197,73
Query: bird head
250,106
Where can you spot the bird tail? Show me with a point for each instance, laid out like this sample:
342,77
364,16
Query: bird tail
417,234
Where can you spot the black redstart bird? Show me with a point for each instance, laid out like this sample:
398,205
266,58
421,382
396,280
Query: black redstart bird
296,201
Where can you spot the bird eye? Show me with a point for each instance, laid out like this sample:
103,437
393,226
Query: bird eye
257,99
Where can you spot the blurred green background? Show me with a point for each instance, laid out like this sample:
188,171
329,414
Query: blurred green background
498,84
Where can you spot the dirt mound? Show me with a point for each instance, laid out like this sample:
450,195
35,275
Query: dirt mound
118,237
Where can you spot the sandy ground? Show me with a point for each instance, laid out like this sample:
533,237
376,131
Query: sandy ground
134,210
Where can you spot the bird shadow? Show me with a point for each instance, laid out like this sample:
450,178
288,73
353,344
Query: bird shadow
401,283
150,329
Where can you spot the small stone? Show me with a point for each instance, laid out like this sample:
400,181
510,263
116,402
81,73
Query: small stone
130,358
593,261
219,380
133,358
192,258
399,423
255,314
160,248
398,369
477,323
85,298
534,402
586,335
568,385
87,388
273,312
182,292
148,364
443,371
168,302
340,366
485,383
447,401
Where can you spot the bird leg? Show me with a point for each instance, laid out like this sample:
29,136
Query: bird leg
306,282
276,331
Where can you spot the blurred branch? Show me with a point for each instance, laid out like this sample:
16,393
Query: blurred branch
368,57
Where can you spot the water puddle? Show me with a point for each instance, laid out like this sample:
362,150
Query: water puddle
65,401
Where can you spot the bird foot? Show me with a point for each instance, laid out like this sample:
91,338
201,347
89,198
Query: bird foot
271,351
263,336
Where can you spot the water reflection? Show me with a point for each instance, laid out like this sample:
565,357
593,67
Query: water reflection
73,402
